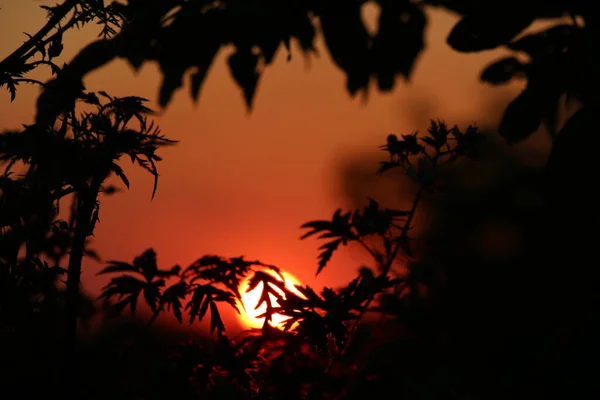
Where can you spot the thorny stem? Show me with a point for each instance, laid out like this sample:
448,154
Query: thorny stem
19,53
72,22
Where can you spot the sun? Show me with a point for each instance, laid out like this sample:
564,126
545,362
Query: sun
249,316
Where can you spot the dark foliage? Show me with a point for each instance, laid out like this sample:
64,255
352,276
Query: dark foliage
555,61
319,351
47,166
305,355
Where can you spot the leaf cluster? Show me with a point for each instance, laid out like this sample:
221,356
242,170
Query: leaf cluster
302,356
420,158
560,58
48,42
46,166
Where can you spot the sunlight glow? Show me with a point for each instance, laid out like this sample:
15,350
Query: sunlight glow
250,299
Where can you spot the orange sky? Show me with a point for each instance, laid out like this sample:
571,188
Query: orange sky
241,184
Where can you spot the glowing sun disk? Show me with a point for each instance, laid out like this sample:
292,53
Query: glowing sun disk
250,299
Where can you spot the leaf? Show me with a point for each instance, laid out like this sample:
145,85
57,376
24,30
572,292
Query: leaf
196,81
56,46
243,65
272,286
12,88
304,31
488,29
146,264
545,42
117,266
195,303
151,294
208,53
399,41
205,294
172,80
327,253
348,42
522,117
172,298
373,219
338,226
503,71
127,289
216,323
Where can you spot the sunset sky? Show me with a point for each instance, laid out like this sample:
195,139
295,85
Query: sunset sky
240,183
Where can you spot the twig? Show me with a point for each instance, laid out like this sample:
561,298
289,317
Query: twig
19,53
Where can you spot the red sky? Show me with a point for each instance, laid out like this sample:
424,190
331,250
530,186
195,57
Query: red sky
239,183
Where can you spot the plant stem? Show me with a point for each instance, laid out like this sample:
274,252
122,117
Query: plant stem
387,267
19,53
85,207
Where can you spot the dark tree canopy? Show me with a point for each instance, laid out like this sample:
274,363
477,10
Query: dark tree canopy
184,37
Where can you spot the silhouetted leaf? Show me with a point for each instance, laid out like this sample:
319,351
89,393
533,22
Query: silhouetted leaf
117,266
56,46
272,286
119,172
146,264
203,295
338,226
172,298
127,290
348,42
328,250
196,81
244,68
216,323
399,40
503,71
522,117
488,29
555,39
152,293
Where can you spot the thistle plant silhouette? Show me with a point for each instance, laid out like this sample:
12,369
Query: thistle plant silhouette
68,154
